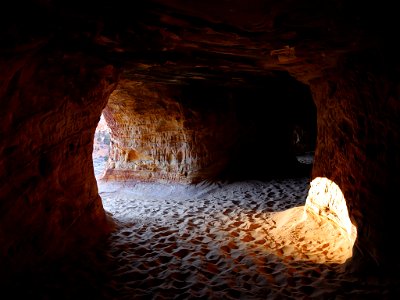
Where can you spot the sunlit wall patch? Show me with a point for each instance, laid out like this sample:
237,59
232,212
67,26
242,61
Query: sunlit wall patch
326,199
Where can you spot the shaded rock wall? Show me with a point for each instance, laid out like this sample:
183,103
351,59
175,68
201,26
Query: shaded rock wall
358,148
49,203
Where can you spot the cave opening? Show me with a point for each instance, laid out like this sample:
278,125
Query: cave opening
61,61
176,207
101,148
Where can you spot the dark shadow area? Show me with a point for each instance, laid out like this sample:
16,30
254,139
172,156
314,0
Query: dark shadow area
81,275
273,123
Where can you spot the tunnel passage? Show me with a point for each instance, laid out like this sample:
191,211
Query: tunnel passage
59,65
204,131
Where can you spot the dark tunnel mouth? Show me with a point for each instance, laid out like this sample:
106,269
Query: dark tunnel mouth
304,132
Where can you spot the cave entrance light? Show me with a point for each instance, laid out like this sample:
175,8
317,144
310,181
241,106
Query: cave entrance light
320,231
101,147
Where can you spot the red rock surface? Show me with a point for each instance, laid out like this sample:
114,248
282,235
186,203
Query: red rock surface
357,148
60,61
47,138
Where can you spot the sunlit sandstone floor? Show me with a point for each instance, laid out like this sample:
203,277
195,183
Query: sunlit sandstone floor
243,240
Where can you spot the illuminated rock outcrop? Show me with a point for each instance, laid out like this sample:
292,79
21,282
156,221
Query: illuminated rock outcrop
155,137
325,199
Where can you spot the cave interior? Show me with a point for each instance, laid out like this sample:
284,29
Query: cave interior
194,91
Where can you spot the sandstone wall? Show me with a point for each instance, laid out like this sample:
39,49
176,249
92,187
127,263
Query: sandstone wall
157,137
357,148
51,103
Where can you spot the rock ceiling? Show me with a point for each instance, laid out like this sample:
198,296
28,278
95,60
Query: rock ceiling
230,42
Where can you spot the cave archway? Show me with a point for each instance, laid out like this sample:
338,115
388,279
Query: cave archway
152,123
203,131
61,62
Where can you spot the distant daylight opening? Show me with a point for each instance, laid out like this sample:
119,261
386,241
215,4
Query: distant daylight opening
101,147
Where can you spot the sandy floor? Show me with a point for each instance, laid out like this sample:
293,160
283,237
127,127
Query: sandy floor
241,240
227,241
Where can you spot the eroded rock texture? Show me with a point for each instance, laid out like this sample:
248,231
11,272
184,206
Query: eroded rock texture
155,137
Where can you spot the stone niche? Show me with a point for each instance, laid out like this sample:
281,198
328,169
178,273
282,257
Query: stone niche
193,132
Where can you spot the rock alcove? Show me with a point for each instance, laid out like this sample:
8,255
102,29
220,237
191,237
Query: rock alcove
222,75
